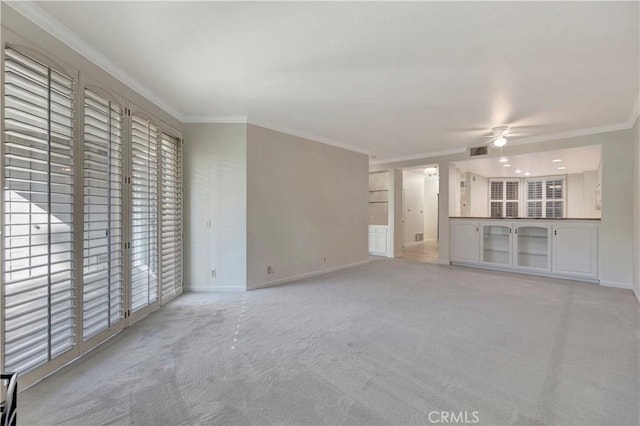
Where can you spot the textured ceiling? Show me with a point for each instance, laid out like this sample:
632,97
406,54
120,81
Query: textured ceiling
393,79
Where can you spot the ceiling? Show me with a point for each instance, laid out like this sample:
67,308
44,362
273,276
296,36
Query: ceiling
393,79
574,160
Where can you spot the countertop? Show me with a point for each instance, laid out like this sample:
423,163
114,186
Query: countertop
523,218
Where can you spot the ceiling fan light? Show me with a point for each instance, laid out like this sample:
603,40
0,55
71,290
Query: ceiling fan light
500,141
431,171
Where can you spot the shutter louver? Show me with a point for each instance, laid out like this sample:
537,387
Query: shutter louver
511,208
39,294
171,207
497,190
496,209
103,294
512,190
144,210
534,209
554,189
534,190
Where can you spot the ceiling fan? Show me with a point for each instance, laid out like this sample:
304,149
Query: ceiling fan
499,136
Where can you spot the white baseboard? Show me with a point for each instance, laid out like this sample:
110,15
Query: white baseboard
214,289
626,286
307,275
635,293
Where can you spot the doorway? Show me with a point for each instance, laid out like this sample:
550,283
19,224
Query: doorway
420,198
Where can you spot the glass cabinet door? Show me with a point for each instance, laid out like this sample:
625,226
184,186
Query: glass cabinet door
532,247
496,244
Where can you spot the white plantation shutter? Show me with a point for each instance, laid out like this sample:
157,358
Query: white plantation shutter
171,208
534,198
496,197
103,283
144,211
504,198
39,298
545,197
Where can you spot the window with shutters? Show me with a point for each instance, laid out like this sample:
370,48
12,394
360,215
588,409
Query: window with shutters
171,215
144,212
103,275
504,198
545,197
39,286
130,251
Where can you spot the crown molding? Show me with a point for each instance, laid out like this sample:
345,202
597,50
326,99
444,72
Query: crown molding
54,27
426,156
218,119
308,136
573,133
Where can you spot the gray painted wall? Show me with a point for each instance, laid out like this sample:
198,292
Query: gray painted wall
215,200
616,228
306,202
636,207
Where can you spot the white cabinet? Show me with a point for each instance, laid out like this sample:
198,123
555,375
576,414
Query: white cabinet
378,235
532,247
558,248
495,244
464,241
575,249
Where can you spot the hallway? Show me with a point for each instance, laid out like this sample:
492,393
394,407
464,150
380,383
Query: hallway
426,251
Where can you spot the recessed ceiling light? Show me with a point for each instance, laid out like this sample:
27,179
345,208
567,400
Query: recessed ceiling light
561,168
518,171
527,173
557,160
507,165
503,160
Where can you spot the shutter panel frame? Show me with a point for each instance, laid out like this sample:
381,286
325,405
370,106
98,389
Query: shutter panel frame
38,175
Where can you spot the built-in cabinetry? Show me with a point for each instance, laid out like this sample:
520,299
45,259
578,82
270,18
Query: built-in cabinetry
563,248
575,250
464,241
378,235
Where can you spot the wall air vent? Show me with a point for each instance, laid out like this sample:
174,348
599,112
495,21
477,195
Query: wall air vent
478,150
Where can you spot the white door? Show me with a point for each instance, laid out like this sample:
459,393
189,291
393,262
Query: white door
575,249
464,241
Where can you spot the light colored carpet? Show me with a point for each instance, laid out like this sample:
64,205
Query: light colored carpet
386,343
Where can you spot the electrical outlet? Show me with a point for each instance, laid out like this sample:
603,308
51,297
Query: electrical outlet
325,260
214,273
270,270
